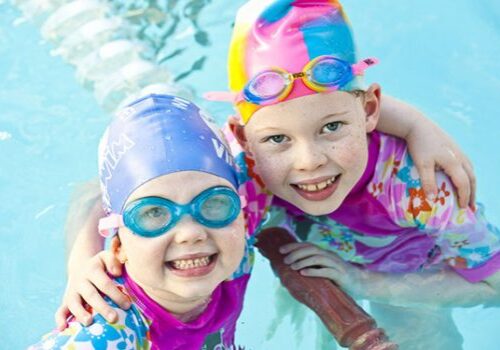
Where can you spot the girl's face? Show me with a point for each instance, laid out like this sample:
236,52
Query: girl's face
311,151
190,260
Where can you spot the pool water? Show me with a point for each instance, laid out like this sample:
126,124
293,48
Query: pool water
440,56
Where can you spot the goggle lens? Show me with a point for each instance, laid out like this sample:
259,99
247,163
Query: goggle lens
217,208
267,86
329,72
152,217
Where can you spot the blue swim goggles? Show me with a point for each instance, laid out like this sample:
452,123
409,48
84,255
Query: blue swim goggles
215,207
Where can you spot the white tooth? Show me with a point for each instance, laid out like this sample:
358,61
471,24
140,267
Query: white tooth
191,263
322,185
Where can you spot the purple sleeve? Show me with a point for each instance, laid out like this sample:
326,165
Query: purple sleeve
465,240
468,242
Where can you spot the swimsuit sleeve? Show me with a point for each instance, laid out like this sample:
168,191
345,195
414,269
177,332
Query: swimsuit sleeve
464,239
254,197
129,333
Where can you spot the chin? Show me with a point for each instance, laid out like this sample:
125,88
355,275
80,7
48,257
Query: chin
194,292
318,210
321,208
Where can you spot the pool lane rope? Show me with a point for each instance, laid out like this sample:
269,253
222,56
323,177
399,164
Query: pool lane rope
101,46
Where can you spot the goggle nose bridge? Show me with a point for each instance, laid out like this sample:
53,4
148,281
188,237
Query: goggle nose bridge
298,75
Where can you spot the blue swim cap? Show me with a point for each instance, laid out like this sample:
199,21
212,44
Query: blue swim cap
154,136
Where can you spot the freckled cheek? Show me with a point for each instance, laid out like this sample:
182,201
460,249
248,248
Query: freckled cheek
231,242
146,252
350,155
271,169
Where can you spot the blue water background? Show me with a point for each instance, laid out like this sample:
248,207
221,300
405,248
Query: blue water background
441,56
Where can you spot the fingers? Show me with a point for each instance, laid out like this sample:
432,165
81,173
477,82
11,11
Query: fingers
61,316
84,288
324,272
103,283
111,264
427,173
91,295
75,306
316,261
287,248
472,179
461,181
301,253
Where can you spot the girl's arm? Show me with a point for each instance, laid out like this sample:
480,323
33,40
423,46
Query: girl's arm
86,268
430,148
443,288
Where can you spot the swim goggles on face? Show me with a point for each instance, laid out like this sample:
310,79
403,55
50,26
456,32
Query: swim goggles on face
215,207
323,73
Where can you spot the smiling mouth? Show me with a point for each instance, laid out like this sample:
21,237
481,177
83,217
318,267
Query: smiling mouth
192,267
319,186
317,191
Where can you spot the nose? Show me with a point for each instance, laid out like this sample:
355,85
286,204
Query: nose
188,231
309,156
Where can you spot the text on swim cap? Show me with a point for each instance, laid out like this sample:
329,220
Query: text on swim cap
180,103
112,155
222,152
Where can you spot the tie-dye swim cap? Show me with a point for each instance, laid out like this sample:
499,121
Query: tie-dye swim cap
287,34
154,136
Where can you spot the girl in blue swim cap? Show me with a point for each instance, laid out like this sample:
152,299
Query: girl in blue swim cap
174,220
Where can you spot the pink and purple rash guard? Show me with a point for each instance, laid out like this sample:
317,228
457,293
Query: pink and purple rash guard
386,223
148,326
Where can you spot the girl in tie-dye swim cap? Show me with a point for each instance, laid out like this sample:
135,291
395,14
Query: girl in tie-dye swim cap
351,194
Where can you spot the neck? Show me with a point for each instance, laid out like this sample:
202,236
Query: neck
184,309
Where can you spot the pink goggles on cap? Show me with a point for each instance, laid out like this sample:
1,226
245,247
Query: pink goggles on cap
324,73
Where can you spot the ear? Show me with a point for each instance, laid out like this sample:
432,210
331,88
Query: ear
238,131
371,105
117,249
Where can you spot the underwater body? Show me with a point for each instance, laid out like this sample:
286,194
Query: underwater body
439,57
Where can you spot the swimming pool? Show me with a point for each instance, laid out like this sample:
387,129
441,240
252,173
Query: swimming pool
441,57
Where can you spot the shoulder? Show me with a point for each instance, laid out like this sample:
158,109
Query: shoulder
396,184
129,332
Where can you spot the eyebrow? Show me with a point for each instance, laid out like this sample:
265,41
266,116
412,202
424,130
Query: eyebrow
267,129
335,115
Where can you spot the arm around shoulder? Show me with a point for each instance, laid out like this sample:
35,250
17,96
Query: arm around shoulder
128,333
83,239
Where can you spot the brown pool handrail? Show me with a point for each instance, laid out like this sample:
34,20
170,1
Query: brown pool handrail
351,326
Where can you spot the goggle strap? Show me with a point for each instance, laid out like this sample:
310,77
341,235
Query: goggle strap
360,67
243,201
220,96
108,225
